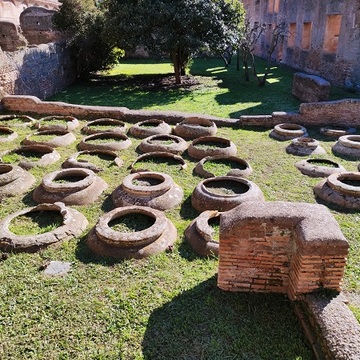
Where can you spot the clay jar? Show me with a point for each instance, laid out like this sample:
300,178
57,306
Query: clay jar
337,131
14,180
7,135
348,145
69,123
146,128
199,234
287,131
167,143
22,120
73,161
110,141
73,225
86,188
104,125
59,138
242,169
211,146
341,189
319,167
156,238
158,155
47,156
305,146
224,193
153,189
194,127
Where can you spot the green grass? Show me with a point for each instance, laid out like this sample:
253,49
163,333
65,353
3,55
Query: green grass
167,306
218,91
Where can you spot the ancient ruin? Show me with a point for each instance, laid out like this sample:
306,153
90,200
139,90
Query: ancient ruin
166,143
146,128
193,128
223,193
155,238
240,167
317,167
200,235
70,186
305,146
341,189
74,223
280,247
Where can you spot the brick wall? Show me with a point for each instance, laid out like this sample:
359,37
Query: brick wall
340,112
290,248
41,71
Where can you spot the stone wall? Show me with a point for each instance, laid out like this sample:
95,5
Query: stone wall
41,71
340,112
290,248
319,39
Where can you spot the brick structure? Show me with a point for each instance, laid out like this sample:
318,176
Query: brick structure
289,248
320,37
310,88
344,112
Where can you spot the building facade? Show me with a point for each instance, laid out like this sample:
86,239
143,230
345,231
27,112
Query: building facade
322,37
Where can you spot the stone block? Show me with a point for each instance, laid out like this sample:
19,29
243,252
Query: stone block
310,88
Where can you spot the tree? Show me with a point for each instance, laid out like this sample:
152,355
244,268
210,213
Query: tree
248,41
83,22
179,28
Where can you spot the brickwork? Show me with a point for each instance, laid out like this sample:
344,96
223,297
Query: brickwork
320,36
344,112
41,71
310,88
31,104
280,247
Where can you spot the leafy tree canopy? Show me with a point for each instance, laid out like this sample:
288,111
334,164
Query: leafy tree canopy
83,23
177,27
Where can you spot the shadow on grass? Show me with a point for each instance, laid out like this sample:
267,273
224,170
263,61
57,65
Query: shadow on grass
207,323
134,92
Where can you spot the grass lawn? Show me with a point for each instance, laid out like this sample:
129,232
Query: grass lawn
216,91
166,306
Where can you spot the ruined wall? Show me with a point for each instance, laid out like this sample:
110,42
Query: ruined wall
41,71
37,27
322,36
280,247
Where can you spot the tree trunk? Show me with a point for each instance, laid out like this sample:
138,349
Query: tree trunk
177,67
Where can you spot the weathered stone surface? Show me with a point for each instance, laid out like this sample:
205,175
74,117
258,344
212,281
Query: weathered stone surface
334,330
57,268
280,247
41,71
37,27
310,88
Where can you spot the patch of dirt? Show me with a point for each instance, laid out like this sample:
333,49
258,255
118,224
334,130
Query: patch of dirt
152,82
